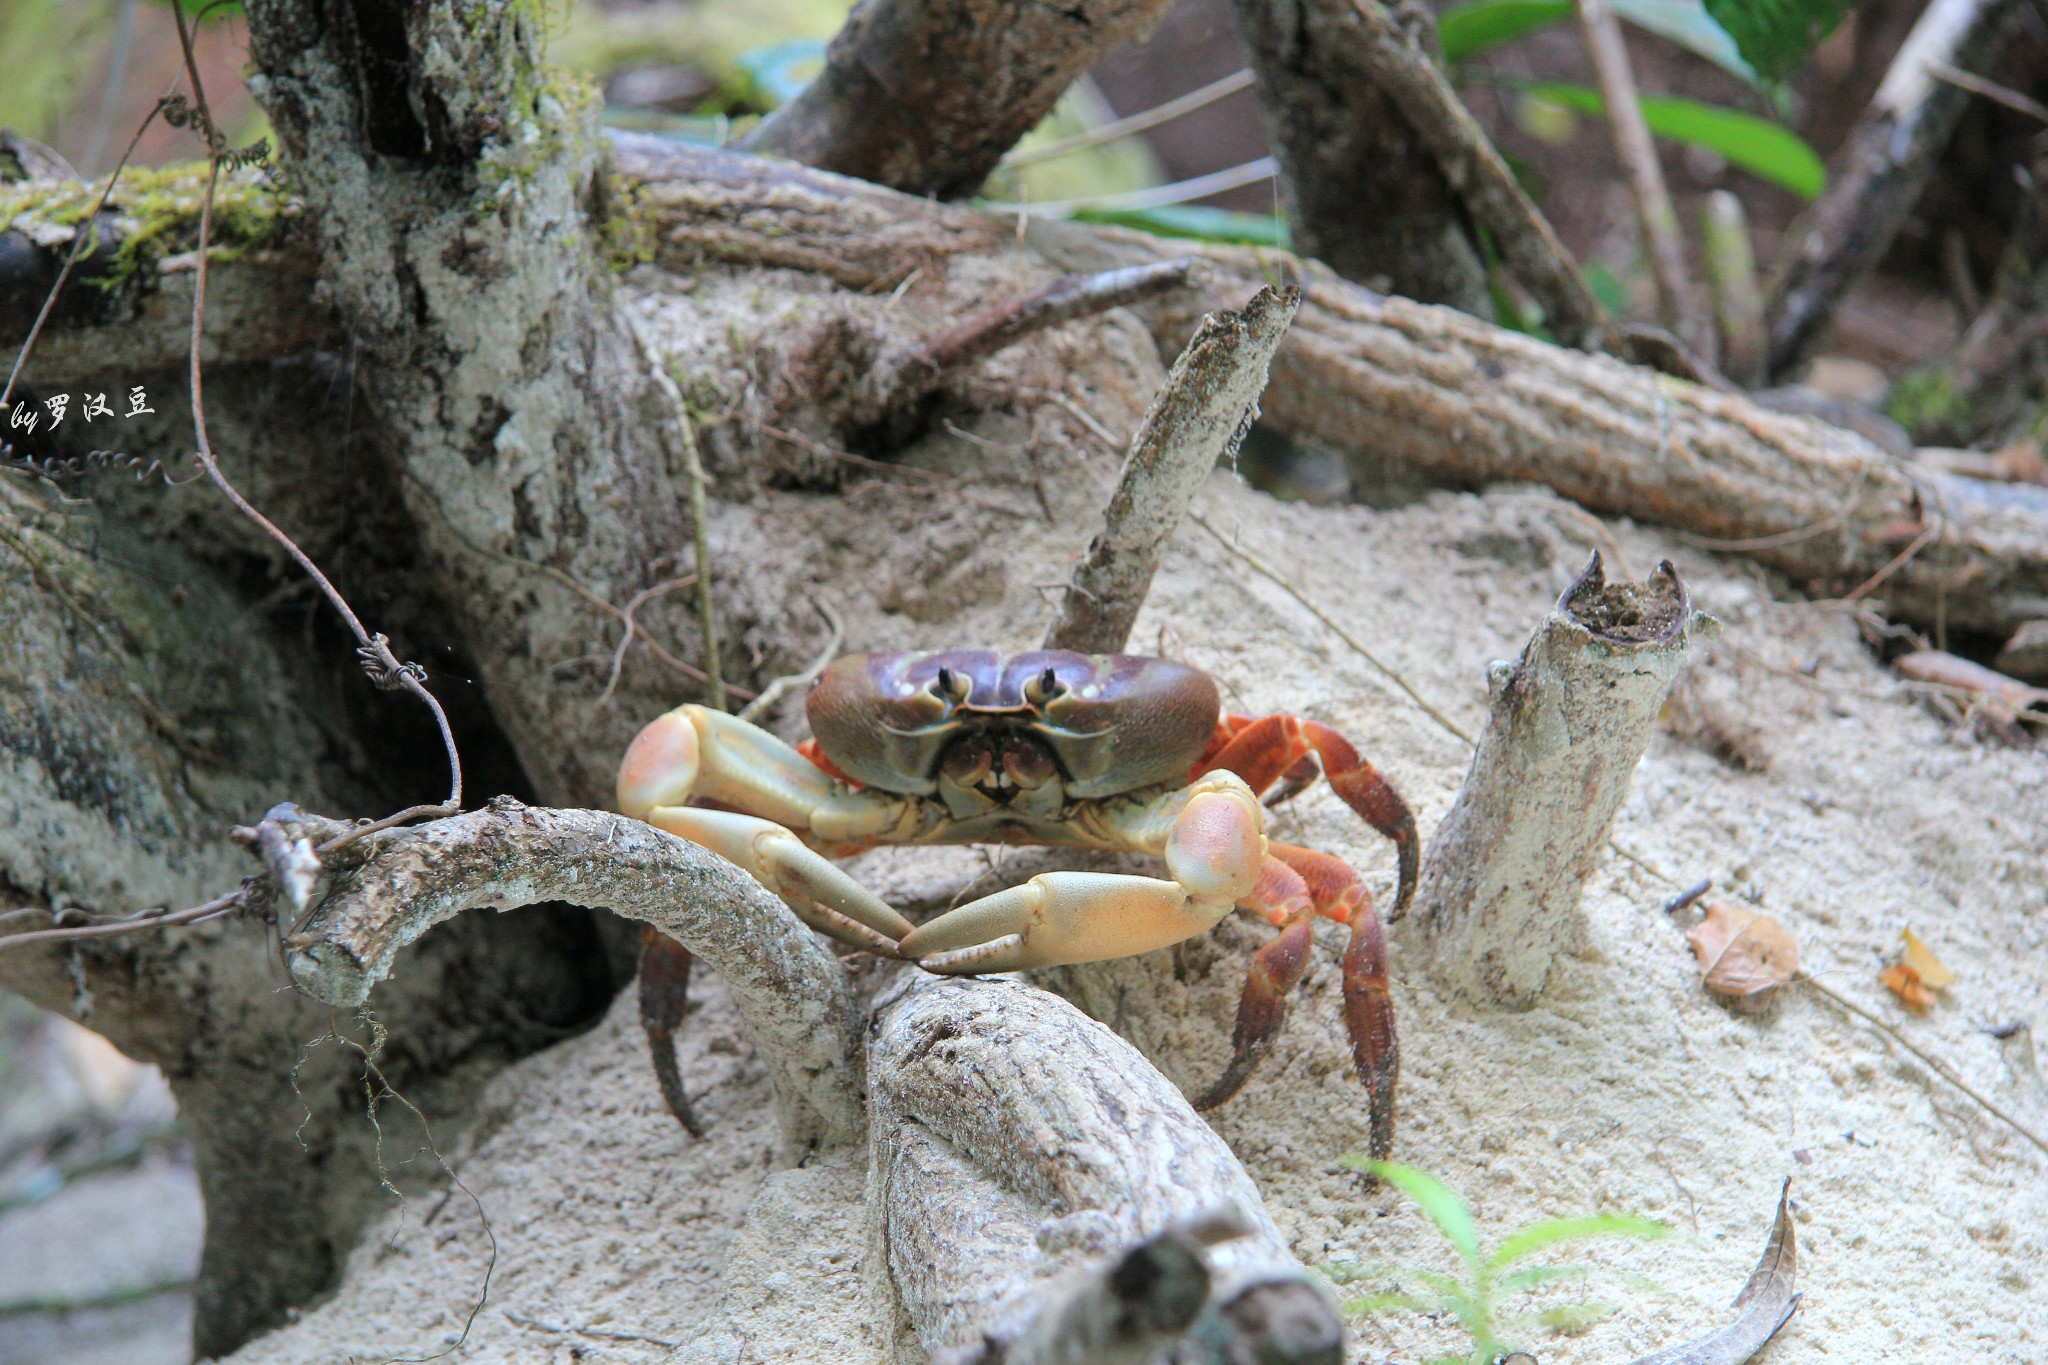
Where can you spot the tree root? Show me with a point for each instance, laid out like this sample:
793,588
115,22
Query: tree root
791,992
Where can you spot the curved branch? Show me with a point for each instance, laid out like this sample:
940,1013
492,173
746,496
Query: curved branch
791,992
927,95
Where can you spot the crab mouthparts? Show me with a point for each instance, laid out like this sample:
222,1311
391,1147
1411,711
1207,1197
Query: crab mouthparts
1000,767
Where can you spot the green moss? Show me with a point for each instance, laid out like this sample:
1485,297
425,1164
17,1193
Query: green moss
628,231
1924,401
160,207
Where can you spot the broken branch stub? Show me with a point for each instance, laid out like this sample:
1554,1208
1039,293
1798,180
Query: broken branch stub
1044,1195
791,992
1209,402
1570,720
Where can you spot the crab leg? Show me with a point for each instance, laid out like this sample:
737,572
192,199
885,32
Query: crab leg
1214,844
1261,751
1294,885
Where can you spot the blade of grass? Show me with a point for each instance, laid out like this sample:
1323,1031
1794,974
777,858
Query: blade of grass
1550,1231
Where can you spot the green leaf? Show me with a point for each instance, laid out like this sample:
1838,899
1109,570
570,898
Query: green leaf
1541,1276
1390,1303
1775,36
1607,287
1436,1199
1550,1231
212,9
1196,221
1468,30
1570,1318
1756,145
1687,23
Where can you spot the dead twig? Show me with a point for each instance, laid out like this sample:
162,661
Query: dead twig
683,432
1570,721
383,668
1208,404
781,687
1638,156
1063,300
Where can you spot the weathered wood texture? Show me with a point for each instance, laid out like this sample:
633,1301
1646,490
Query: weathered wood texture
1018,1147
1570,721
455,188
1209,402
791,992
926,95
1363,193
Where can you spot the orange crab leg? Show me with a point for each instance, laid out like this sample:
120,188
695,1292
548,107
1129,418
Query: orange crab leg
664,995
1263,751
1295,884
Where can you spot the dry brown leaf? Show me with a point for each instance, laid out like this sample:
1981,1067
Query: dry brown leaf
1745,956
1764,1306
1905,983
1931,970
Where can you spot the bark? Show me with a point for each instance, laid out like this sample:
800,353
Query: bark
459,186
1891,152
1364,194
790,990
1210,400
181,714
1530,247
1571,720
926,96
1018,1147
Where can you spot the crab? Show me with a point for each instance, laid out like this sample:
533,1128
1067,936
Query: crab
1112,752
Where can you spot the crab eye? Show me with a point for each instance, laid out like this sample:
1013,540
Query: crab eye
1043,688
949,686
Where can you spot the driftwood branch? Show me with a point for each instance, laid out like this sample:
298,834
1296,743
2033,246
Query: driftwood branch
1891,152
1400,66
1044,1192
791,992
1208,404
926,96
1363,192
1464,403
1570,721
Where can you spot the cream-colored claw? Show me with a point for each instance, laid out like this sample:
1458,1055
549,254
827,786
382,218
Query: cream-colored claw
1061,917
823,896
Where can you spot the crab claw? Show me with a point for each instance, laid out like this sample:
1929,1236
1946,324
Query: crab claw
822,895
1061,917
660,766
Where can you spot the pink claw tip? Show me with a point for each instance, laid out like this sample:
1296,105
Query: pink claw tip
660,766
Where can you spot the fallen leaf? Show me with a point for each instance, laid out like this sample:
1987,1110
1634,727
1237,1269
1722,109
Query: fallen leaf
1744,955
1905,983
1765,1304
1929,968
